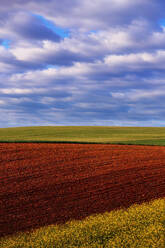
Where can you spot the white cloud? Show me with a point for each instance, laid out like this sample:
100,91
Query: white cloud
137,95
2,102
137,61
16,91
110,70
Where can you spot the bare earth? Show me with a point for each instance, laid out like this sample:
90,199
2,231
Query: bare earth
43,184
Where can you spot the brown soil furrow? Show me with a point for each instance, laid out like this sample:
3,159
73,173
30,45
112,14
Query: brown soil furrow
42,184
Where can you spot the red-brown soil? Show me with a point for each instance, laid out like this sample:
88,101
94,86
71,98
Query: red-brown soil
41,184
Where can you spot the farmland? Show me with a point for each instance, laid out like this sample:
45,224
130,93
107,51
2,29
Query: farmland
139,226
89,176
85,134
44,184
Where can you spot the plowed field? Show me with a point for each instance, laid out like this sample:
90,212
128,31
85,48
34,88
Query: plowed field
41,184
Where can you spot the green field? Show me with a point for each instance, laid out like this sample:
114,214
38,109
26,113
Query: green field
120,135
141,226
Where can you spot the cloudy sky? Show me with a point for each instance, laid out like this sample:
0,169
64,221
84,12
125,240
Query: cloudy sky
74,62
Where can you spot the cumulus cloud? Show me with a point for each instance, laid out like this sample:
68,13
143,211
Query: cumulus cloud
100,14
109,70
25,26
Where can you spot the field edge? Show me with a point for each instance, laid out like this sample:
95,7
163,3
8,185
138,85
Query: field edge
141,224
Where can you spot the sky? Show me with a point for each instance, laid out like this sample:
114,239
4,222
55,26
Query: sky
73,62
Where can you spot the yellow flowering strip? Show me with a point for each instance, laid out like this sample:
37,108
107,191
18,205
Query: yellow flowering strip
141,226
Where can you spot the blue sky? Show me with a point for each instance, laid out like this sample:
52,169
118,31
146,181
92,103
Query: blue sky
84,62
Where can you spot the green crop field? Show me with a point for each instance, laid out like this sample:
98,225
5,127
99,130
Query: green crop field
120,135
141,226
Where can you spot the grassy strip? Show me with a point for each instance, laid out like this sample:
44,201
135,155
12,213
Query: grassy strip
138,226
115,135
138,142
